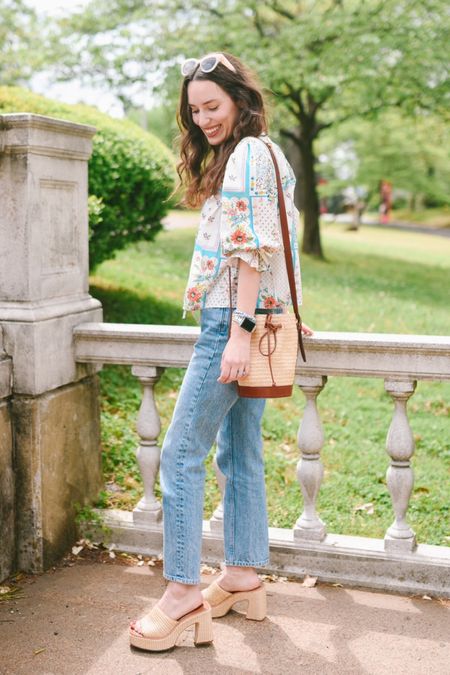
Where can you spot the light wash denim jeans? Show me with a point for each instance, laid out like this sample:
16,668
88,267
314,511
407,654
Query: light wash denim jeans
205,411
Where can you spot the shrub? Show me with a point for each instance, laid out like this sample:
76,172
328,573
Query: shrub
131,173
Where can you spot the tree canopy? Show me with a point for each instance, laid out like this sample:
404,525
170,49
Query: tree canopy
19,35
323,62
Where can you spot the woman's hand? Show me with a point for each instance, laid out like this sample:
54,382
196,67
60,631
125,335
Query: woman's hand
236,356
306,330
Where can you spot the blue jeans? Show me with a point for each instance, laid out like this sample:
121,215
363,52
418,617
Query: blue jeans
205,411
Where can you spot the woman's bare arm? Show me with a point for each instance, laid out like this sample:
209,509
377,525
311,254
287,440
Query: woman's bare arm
236,355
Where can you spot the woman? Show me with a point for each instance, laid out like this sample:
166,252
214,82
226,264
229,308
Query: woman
224,130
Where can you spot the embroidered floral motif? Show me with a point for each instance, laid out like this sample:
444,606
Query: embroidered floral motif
235,209
208,265
270,302
240,236
194,294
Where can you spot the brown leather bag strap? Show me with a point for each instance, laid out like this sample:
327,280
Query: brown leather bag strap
287,251
231,304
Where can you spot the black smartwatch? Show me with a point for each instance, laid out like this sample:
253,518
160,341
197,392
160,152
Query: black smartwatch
245,321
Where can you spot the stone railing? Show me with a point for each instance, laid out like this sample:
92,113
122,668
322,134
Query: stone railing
397,562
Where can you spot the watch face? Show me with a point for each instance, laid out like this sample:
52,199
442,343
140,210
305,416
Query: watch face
248,324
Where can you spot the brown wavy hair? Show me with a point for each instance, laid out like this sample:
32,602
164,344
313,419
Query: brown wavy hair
202,166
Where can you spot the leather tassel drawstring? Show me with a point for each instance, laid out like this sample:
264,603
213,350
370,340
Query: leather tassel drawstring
271,331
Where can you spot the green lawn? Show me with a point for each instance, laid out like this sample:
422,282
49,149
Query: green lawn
373,280
435,217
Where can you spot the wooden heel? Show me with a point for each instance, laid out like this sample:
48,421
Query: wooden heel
257,605
203,630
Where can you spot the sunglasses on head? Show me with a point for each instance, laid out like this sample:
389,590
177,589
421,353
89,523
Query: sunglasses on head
207,64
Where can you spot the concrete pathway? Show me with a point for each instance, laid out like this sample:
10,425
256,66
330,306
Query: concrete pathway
74,620
181,219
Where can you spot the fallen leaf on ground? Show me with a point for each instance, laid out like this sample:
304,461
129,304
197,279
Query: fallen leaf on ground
309,582
92,545
272,577
207,569
368,508
76,549
10,593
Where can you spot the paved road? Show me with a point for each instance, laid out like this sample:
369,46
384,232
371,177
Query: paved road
175,220
74,621
409,227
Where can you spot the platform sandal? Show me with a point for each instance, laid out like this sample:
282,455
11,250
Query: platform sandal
164,631
221,600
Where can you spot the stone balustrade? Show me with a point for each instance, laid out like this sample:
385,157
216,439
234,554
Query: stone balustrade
397,562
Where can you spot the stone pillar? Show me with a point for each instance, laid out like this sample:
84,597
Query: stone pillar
7,483
43,295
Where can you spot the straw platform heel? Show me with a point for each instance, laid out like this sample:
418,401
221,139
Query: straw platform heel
221,601
165,631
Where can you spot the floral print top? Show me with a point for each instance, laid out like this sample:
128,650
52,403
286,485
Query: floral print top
242,222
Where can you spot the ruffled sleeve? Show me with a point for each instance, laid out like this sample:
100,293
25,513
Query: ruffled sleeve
249,226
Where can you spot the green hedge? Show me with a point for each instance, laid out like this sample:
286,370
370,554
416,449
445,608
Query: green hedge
131,173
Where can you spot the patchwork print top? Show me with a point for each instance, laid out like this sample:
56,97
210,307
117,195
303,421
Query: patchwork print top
242,223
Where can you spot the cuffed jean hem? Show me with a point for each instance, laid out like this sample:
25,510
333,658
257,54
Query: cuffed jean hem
181,580
241,563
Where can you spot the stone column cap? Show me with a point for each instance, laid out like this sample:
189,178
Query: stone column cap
42,135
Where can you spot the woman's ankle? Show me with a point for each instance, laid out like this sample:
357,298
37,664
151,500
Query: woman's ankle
239,571
176,589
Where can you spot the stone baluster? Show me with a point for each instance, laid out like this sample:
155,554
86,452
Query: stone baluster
216,520
148,511
400,476
310,469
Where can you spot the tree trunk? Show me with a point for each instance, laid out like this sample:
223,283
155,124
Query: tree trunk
311,232
294,156
306,188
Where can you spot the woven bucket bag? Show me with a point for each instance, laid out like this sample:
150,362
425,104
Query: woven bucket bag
278,336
